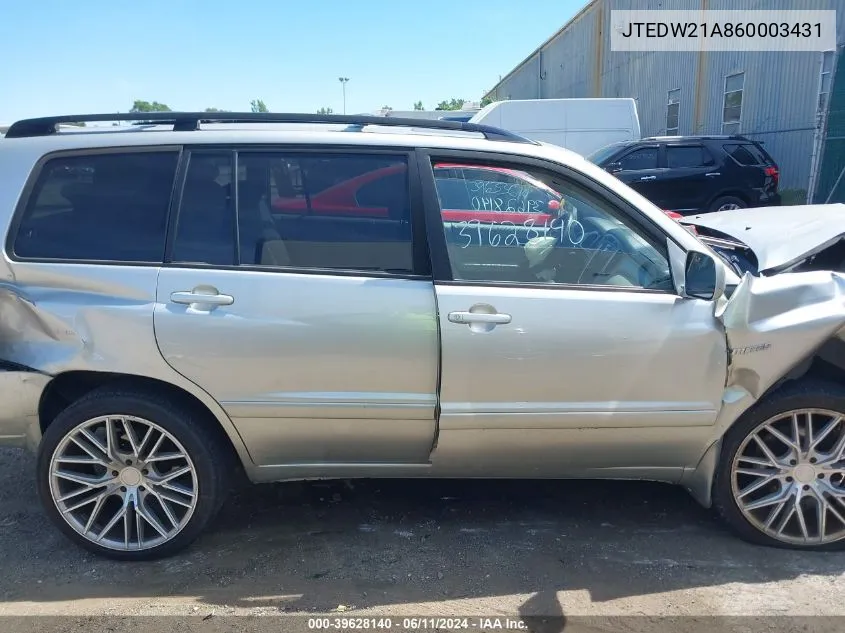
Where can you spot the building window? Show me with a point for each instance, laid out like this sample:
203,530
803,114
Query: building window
673,109
825,79
732,111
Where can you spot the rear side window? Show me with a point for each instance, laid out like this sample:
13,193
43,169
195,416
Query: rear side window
297,210
643,158
102,207
688,156
747,154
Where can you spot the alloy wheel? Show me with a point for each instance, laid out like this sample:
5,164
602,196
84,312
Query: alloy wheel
729,206
123,482
788,477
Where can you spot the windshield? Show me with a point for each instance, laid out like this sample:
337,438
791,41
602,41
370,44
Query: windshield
601,155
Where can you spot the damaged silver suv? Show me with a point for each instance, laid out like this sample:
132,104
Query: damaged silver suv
196,296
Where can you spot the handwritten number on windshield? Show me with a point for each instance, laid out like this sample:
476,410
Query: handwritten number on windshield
567,230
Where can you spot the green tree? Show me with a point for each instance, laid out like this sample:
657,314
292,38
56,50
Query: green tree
214,110
147,106
257,105
386,108
452,104
485,101
325,111
418,105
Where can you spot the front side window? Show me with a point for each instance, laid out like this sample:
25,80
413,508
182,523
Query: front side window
102,207
298,210
639,159
471,188
582,240
600,156
732,107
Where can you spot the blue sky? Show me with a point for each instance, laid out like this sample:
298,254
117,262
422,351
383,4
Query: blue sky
75,57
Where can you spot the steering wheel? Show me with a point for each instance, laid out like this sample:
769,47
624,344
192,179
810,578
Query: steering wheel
609,244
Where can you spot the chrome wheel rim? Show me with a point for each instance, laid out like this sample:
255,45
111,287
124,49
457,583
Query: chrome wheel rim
730,206
788,477
123,483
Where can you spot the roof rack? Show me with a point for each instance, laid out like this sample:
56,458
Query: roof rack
190,121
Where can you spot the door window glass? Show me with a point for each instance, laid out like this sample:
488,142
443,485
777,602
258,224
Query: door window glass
103,207
580,239
688,156
306,210
471,188
205,232
643,158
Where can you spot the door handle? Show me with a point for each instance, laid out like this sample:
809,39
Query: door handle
187,298
479,317
648,178
713,173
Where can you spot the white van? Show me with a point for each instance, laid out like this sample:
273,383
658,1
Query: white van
581,125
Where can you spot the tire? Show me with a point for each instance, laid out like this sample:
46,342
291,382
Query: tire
724,203
184,515
800,395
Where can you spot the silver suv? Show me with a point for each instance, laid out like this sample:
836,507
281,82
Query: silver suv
297,297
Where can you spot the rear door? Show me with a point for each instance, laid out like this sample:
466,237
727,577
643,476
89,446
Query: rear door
316,332
640,169
691,178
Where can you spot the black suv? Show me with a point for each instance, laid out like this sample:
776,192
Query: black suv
690,174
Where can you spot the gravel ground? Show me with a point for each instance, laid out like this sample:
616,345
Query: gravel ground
434,548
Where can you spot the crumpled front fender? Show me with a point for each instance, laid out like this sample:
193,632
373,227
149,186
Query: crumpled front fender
772,325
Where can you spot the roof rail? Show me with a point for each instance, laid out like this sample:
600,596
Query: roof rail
189,121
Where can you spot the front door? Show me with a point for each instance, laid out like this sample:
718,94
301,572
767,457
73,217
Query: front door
640,169
566,344
313,329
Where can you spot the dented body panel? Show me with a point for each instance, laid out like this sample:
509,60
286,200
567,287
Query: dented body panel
84,318
21,389
772,325
780,237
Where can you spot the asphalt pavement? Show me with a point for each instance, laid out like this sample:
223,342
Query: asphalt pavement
528,549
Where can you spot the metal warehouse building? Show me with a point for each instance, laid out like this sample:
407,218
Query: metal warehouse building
791,101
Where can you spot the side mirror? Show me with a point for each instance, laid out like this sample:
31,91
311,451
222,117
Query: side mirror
613,167
704,277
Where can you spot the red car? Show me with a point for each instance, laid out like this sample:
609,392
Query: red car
467,192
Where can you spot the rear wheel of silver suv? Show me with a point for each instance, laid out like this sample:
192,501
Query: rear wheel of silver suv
131,475
781,478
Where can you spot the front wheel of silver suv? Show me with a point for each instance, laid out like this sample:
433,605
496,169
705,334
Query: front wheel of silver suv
781,476
131,475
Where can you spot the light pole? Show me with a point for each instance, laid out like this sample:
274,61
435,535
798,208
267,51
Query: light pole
343,81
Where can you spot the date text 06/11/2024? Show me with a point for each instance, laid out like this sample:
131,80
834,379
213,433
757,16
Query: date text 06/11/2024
416,624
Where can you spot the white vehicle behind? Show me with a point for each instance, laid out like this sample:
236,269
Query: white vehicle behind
580,125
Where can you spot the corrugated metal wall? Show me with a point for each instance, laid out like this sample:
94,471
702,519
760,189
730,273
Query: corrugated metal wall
780,94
